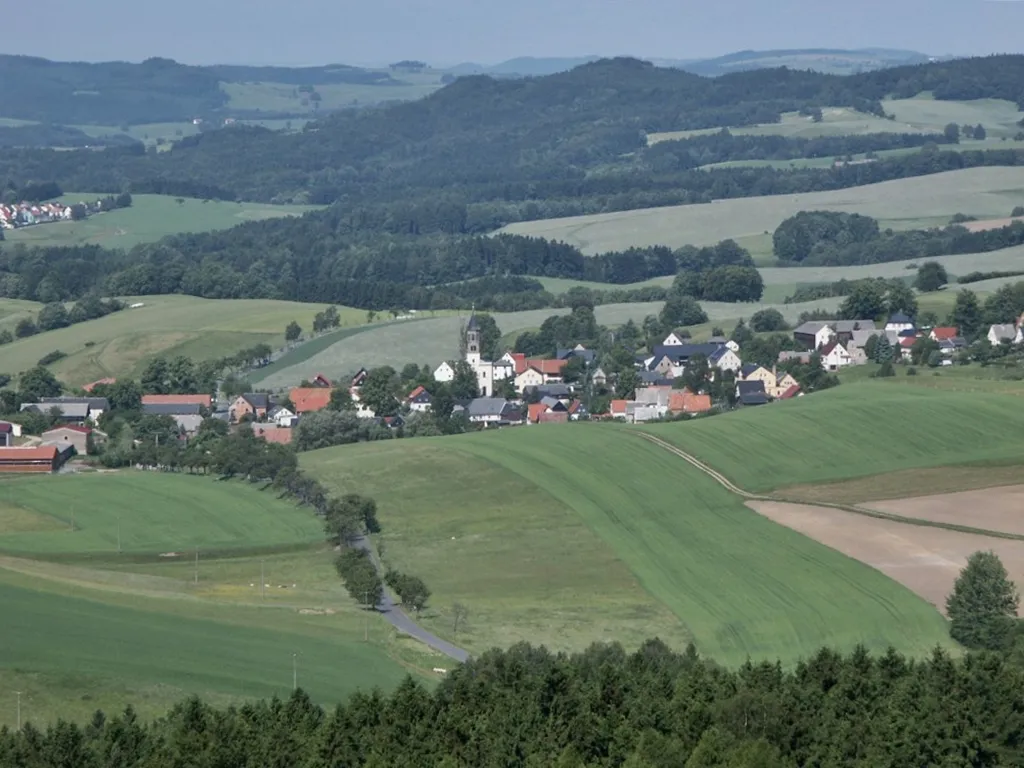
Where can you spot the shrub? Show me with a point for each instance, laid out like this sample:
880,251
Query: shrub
51,357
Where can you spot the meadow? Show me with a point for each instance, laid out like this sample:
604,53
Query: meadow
544,532
854,431
87,627
150,218
122,344
912,203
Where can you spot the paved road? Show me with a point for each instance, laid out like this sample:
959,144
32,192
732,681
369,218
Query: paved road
401,621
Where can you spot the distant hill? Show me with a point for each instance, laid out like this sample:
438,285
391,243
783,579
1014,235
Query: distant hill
837,61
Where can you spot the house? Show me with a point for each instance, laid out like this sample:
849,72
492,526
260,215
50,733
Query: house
846,329
859,338
492,410
273,433
790,393
551,370
657,397
418,400
661,366
672,340
857,355
577,410
252,404
779,384
445,372
685,401
997,334
899,322
322,381
6,434
70,413
751,392
309,399
97,405
655,379
169,409
721,341
617,409
950,347
531,377
69,434
752,372
283,417
725,359
813,334
943,333
599,378
561,392
588,355
834,356
637,413
204,401
905,346
188,423
392,422
45,458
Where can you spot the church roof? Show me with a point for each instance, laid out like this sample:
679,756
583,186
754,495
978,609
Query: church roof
473,325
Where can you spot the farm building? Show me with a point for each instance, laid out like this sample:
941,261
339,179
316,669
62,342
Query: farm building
43,459
204,401
69,434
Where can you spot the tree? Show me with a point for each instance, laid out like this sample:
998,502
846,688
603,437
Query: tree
490,337
379,391
292,331
627,383
341,400
979,132
865,302
930,277
412,591
25,328
575,370
464,384
123,394
460,613
53,316
886,371
884,351
768,320
982,607
952,133
900,298
741,334
681,311
966,315
37,383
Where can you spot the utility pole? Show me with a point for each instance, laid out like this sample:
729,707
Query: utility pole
263,582
19,709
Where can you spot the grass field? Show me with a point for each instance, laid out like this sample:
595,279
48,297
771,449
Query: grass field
544,533
86,627
921,114
122,343
150,218
903,204
151,513
854,431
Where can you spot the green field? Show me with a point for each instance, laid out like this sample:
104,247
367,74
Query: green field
87,628
151,513
854,431
544,533
921,114
122,343
150,218
921,201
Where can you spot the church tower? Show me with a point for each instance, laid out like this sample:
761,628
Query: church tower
473,341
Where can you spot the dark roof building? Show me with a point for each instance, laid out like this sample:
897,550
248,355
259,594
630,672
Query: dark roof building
94,403
751,392
258,400
171,409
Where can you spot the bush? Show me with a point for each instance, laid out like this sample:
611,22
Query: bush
768,320
51,357
911,371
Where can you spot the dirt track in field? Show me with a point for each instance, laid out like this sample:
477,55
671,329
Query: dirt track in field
987,224
925,560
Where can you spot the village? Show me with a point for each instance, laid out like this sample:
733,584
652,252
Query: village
516,389
28,214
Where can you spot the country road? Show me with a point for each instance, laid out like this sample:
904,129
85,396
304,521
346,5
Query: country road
401,621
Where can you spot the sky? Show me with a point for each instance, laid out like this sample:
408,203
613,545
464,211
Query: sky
445,32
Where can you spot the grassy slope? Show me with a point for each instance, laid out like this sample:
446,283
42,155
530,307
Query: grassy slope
150,218
739,584
901,204
853,431
156,513
124,342
91,628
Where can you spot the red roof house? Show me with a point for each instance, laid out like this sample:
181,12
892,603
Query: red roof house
939,334
42,459
204,400
308,399
685,401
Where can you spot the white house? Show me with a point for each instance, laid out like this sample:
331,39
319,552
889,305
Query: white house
419,400
725,359
672,341
997,334
899,322
283,417
813,335
724,342
531,377
834,356
444,372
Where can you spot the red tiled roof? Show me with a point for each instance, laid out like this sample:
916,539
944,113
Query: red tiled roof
282,435
534,412
415,393
793,391
28,454
687,402
5,427
907,342
618,407
204,400
306,399
321,380
828,347
574,406
519,359
944,333
548,367
72,427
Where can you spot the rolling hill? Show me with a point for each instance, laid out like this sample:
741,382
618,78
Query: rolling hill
545,533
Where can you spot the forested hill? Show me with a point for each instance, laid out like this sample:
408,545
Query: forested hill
480,136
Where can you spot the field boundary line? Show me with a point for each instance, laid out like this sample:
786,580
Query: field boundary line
857,510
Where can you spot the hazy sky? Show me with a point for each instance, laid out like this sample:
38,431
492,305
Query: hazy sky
452,31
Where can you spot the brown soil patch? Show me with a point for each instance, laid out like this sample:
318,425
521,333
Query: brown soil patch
925,560
987,224
906,484
995,509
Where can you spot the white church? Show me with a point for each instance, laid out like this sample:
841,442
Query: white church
487,372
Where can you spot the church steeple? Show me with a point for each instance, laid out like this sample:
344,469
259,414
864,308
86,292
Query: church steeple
473,340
